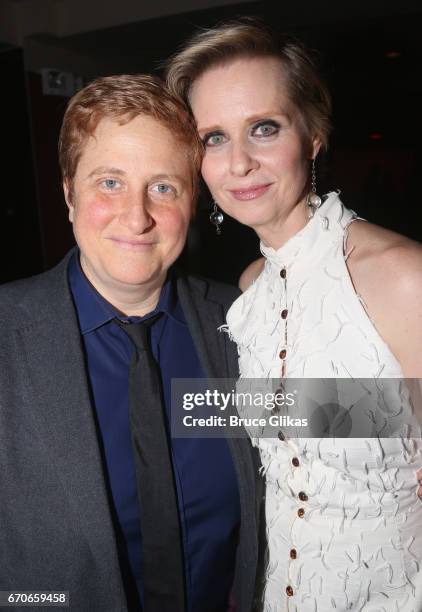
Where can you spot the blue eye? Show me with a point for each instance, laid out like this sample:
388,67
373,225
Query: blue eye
163,188
110,184
213,140
265,128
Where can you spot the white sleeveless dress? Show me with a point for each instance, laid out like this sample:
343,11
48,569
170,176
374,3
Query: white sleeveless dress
344,524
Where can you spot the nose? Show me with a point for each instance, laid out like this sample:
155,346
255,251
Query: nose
243,160
135,214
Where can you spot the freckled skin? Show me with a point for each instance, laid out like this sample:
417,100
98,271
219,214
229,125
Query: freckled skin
130,207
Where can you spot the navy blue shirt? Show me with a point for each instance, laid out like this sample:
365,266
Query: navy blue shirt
206,483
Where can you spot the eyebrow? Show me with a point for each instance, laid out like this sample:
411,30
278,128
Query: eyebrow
106,170
168,177
250,119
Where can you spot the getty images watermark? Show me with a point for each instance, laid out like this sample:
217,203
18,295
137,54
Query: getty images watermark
243,402
296,408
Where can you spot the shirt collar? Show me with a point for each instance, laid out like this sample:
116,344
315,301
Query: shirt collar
94,311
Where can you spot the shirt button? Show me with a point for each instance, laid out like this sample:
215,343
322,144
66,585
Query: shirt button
289,590
284,313
282,354
293,553
302,496
281,436
300,512
283,273
295,461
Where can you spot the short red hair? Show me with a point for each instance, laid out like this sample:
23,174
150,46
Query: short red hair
124,97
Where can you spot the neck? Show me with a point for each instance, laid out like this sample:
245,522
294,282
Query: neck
136,305
285,226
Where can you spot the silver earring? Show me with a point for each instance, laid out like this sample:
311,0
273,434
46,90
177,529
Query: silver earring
216,218
313,201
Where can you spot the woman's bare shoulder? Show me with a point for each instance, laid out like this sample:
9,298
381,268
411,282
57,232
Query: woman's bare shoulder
382,254
386,269
374,240
251,273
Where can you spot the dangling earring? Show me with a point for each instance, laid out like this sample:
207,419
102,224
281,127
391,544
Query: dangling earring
216,218
313,201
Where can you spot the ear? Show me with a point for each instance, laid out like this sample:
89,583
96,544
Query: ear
67,197
315,146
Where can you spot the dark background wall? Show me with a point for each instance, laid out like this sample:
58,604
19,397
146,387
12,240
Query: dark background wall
372,61
20,244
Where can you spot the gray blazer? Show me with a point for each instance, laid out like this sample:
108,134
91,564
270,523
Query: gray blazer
56,531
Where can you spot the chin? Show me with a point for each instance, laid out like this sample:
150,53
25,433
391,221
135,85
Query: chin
136,279
131,274
249,213
251,220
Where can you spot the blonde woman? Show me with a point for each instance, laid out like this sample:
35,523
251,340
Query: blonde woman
333,296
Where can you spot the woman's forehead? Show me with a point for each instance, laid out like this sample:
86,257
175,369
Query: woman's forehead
245,85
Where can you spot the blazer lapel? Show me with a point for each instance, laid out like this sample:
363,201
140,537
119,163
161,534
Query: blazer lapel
59,404
218,357
204,316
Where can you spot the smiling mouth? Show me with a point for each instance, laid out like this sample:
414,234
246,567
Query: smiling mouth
133,245
250,193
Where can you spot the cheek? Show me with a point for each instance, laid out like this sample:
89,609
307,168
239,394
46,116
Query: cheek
211,168
95,211
284,158
288,164
173,222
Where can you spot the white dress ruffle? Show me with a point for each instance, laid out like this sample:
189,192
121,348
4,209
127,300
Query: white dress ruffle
344,523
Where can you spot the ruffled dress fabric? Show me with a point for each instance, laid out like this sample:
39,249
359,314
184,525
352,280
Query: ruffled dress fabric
344,523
